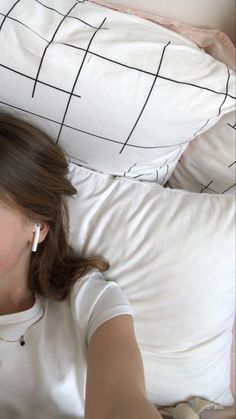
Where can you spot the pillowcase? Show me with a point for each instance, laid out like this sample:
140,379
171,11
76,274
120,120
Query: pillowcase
173,254
208,164
121,94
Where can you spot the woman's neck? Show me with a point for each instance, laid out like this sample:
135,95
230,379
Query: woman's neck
16,304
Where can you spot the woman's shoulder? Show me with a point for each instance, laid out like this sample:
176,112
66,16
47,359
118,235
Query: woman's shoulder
90,287
95,300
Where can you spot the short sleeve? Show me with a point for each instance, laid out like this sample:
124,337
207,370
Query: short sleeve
97,300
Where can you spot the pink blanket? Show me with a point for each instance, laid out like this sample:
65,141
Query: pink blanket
213,41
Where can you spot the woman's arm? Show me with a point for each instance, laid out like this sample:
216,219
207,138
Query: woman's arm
115,386
137,409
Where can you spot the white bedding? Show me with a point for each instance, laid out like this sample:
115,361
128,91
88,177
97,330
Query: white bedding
172,252
148,262
208,165
130,94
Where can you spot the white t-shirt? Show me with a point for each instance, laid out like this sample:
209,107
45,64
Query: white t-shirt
46,378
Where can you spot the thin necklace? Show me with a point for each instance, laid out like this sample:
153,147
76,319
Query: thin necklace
21,339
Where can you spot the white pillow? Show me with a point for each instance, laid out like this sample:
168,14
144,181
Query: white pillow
208,164
123,95
172,252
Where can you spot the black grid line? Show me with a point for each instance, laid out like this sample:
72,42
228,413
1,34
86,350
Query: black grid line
7,15
200,129
23,24
232,186
45,50
89,133
120,142
143,174
130,67
146,71
69,17
232,164
226,91
77,77
219,112
164,164
39,81
77,164
232,126
196,85
127,171
151,73
77,159
147,99
207,187
30,113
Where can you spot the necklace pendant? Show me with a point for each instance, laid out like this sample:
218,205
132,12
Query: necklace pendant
22,340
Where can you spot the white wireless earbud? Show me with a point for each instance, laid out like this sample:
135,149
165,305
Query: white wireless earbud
36,237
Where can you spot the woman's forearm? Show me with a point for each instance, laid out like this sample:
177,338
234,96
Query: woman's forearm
136,409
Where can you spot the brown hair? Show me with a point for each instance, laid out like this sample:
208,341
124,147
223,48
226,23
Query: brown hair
34,180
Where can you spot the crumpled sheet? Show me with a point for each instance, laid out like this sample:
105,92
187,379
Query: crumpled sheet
189,410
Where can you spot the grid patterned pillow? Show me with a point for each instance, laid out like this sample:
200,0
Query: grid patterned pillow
121,94
208,165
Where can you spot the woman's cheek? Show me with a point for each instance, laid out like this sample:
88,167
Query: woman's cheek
13,244
5,262
6,256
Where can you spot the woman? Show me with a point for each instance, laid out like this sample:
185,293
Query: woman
67,340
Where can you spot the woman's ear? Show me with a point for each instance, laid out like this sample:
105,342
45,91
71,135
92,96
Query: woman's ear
43,231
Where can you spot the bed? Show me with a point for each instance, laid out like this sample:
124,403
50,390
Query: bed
141,96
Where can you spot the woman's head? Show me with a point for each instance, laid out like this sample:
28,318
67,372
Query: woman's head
33,170
34,183
17,234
